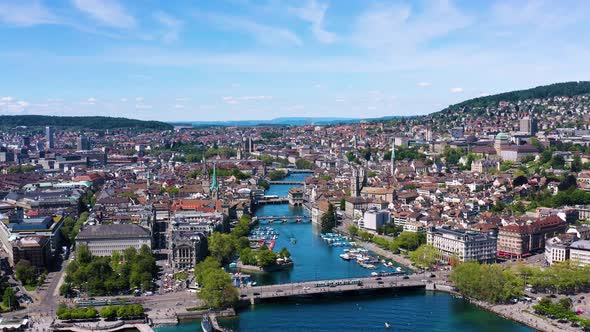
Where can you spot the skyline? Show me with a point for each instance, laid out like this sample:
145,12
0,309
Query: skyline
243,60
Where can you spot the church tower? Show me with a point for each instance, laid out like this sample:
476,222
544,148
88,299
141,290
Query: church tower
355,190
214,188
392,164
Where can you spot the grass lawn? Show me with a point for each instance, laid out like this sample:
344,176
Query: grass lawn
181,276
30,288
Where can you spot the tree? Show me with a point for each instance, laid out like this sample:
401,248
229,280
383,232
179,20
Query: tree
26,273
303,164
265,257
557,162
9,299
109,312
576,165
222,246
217,290
425,256
487,282
353,230
328,220
519,181
284,253
204,267
343,205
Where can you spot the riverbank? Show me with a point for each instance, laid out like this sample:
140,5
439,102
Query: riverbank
520,312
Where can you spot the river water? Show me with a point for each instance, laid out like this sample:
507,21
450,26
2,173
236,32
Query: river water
315,260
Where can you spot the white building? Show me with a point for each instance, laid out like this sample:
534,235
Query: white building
465,245
580,252
374,218
556,250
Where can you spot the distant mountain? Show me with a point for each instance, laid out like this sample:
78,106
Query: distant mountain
83,122
284,121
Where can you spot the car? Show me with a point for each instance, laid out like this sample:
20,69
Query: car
243,295
378,278
306,288
380,282
433,275
279,290
406,277
256,294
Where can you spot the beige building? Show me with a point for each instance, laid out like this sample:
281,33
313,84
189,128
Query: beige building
102,240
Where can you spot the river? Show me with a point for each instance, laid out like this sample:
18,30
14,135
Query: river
315,260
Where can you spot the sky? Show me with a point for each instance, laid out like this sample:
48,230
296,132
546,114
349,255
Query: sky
204,60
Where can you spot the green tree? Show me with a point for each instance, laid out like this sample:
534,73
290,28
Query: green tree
328,220
343,205
9,299
204,267
26,273
222,246
576,165
265,257
284,253
425,256
353,230
217,290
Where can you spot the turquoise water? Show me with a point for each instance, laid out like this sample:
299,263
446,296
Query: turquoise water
315,260
408,311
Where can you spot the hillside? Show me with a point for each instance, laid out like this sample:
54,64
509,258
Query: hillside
559,104
83,122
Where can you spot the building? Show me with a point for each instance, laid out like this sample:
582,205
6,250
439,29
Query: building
557,249
16,228
83,143
484,165
580,252
464,245
373,218
187,249
356,203
295,196
528,125
35,249
49,138
522,240
518,152
102,240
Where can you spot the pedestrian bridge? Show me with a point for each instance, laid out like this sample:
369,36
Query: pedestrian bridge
272,200
312,288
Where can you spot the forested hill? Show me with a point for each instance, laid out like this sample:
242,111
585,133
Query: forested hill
567,89
83,122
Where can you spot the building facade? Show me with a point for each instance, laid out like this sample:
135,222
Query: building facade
103,240
464,245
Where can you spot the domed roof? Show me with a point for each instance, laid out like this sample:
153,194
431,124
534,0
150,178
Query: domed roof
502,136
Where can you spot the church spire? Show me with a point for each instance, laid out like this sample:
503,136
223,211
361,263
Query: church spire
392,166
214,189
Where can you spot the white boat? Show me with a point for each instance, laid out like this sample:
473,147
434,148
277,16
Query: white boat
345,256
374,274
387,325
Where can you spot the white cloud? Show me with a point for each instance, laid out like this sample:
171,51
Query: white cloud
255,98
107,12
182,99
124,100
314,12
6,99
139,99
263,33
173,26
143,106
25,13
423,84
539,13
456,90
400,29
178,106
91,100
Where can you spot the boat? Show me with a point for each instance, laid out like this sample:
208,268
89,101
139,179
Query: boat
387,325
345,256
206,325
374,274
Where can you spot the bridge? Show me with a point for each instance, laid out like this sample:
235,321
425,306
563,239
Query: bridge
287,182
314,288
294,170
272,200
284,219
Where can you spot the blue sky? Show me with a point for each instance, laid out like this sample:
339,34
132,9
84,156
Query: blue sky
247,59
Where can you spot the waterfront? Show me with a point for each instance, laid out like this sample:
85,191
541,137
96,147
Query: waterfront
314,260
